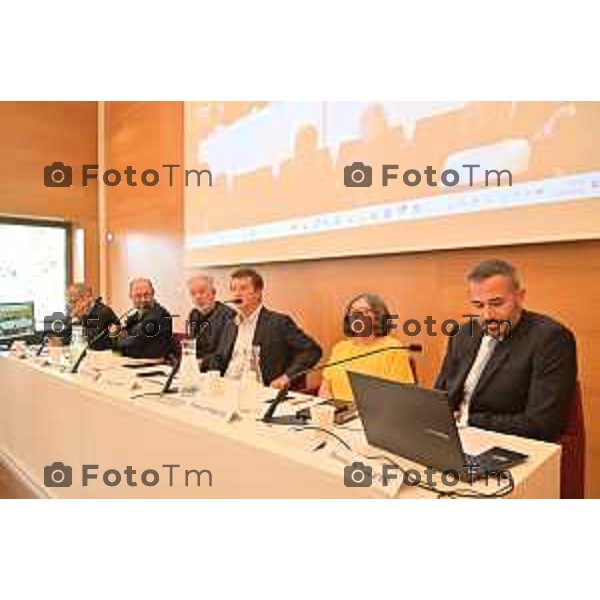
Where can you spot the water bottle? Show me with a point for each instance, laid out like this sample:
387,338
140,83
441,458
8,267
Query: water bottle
78,343
77,338
189,373
255,365
250,380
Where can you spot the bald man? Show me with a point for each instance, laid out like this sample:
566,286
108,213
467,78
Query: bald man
92,313
149,331
208,318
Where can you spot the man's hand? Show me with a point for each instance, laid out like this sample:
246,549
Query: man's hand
282,382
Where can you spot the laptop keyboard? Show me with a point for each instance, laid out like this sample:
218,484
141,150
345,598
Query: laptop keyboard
471,460
474,467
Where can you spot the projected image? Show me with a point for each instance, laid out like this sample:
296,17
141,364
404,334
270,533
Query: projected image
280,169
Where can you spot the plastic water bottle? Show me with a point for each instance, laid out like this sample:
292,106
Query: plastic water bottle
250,381
78,343
188,371
251,372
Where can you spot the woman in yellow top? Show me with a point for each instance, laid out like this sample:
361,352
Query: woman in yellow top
366,311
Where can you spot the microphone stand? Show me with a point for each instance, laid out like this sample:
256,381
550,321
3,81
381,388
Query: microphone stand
42,345
167,387
94,340
282,396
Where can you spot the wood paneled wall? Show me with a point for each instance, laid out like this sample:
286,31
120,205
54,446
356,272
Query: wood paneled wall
36,134
146,223
562,279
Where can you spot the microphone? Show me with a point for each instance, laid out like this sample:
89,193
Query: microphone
126,316
269,417
218,362
99,337
167,387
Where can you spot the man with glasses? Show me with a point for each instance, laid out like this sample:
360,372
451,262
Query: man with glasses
148,331
509,369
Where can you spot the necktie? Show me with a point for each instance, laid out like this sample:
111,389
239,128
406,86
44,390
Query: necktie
486,349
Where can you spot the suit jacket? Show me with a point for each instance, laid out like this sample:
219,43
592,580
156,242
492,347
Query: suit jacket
528,383
97,320
99,317
139,340
284,347
208,328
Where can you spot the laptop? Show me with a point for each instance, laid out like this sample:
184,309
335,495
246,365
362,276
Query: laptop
417,423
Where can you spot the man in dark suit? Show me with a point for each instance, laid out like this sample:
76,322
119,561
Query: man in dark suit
208,318
285,349
148,332
93,314
509,369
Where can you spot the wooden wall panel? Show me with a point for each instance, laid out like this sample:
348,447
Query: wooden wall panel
146,223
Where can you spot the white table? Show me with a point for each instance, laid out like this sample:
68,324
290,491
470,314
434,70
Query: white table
48,416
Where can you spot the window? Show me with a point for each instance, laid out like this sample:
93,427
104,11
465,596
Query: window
34,261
